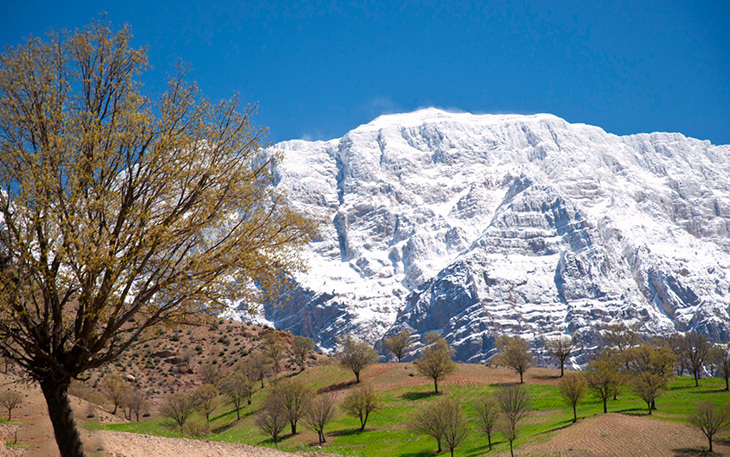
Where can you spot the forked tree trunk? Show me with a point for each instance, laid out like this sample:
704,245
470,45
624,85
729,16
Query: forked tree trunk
61,414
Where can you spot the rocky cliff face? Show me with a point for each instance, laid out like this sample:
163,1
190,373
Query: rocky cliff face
474,226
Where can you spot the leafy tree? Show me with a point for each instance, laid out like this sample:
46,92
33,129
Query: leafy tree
10,399
136,401
360,402
178,407
320,412
205,399
488,415
560,348
515,353
603,377
514,402
456,427
259,365
119,214
435,362
238,388
427,420
301,347
355,355
651,368
272,419
400,344
294,396
114,389
573,388
710,420
620,337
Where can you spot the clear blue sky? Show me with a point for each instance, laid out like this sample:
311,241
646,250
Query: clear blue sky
318,69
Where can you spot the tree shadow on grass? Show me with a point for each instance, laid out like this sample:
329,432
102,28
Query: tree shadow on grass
419,454
692,452
414,396
335,387
346,432
546,377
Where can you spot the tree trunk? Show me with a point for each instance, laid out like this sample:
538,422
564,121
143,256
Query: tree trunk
436,385
521,381
561,369
605,409
727,382
357,377
452,451
489,438
511,452
710,440
293,427
238,414
575,415
61,415
697,382
438,440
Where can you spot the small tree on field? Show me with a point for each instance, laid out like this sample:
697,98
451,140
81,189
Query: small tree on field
722,363
294,397
651,367
205,398
355,355
136,401
488,417
515,353
10,399
603,378
320,412
697,352
301,347
435,362
178,407
238,388
209,373
114,389
573,388
456,427
560,348
648,387
400,344
514,402
274,349
272,419
259,365
360,402
427,420
710,420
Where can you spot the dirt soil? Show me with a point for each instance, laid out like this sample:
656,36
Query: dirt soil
609,435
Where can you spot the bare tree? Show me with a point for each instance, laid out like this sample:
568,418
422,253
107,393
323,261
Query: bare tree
137,402
294,396
515,353
301,347
710,420
435,361
272,419
427,420
456,427
722,363
573,388
274,349
10,399
560,348
514,402
205,399
209,373
400,344
360,402
488,416
696,353
178,407
186,358
259,365
603,378
114,389
108,204
238,388
355,355
320,412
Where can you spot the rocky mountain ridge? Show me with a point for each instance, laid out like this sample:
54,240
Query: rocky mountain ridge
478,225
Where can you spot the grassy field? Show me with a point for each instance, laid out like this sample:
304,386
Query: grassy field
403,391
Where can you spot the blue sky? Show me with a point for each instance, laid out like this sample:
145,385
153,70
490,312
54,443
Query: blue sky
318,69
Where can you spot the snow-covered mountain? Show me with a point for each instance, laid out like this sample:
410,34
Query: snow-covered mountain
478,225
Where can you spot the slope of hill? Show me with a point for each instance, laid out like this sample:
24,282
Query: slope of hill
477,225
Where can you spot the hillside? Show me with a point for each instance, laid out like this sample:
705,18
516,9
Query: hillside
477,225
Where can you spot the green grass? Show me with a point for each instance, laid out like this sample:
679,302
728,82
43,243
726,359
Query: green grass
387,433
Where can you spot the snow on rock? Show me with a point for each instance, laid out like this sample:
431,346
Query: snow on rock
478,225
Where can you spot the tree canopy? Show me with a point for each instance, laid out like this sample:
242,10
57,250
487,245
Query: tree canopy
118,213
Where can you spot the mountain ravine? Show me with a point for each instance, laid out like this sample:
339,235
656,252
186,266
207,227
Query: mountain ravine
477,225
